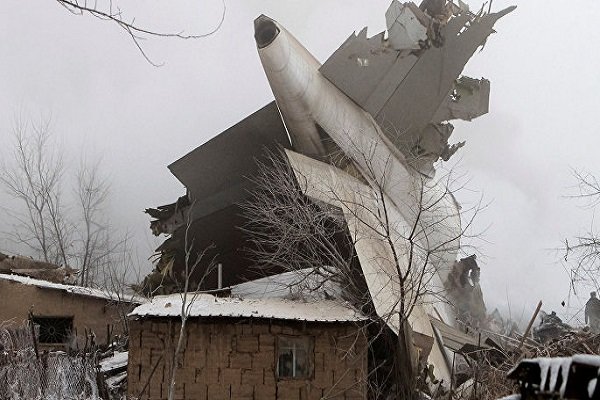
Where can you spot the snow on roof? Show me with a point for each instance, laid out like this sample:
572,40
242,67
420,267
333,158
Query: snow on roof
77,290
208,305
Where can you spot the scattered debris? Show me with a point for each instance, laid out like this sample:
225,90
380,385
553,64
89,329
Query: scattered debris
169,217
493,376
551,327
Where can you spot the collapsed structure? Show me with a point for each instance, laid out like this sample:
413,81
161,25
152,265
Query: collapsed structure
362,133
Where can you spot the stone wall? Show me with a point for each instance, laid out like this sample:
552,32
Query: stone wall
88,312
231,358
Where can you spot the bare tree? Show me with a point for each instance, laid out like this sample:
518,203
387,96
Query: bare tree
108,10
189,292
34,178
582,253
123,267
91,194
291,231
68,227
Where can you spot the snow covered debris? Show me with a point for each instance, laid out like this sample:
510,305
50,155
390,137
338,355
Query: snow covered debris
118,360
573,377
588,359
114,382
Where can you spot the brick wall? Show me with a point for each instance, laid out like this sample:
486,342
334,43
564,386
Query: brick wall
232,358
88,312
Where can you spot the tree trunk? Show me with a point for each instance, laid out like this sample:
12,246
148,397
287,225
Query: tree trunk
406,369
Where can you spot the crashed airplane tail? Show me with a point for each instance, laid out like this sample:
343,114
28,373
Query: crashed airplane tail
385,104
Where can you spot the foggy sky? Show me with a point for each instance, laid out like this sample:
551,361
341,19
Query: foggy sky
106,100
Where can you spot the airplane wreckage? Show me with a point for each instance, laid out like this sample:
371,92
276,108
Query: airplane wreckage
384,103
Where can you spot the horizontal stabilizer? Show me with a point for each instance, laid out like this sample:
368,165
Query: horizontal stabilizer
217,173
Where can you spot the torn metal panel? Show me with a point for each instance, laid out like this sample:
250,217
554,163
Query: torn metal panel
433,7
169,217
452,338
361,65
433,77
407,26
468,99
386,82
217,233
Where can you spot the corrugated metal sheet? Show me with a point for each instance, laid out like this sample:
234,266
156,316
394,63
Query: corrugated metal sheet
304,284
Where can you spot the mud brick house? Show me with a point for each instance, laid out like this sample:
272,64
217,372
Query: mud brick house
257,342
65,314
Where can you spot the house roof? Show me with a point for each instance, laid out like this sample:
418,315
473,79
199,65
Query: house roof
298,295
208,305
76,290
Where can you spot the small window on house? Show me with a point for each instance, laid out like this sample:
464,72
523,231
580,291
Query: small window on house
54,330
294,357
